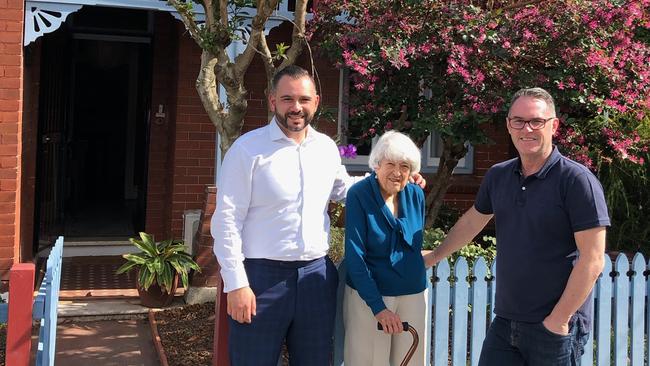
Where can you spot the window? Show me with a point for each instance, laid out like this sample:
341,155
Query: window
291,5
431,150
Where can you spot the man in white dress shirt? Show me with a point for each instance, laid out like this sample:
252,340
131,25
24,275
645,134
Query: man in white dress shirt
271,231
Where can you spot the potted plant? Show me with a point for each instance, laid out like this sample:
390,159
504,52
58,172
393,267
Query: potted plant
159,265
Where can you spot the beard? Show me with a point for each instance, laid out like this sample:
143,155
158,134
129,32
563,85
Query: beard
282,120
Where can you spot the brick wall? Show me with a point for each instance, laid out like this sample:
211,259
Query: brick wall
11,74
193,150
464,187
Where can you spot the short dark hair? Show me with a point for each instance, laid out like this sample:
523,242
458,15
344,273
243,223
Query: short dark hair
535,93
292,71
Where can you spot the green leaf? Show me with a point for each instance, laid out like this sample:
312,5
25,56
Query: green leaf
146,245
166,279
184,279
157,265
146,279
137,258
126,267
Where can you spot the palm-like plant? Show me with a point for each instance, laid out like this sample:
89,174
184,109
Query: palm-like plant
159,262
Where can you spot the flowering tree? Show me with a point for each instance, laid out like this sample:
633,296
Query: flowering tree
450,66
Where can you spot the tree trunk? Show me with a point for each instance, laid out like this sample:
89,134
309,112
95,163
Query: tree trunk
451,153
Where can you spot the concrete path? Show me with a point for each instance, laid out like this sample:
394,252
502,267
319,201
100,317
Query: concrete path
110,331
105,342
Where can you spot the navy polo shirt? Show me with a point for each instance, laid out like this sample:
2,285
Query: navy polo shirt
535,219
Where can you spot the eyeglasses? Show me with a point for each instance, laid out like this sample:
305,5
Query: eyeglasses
535,123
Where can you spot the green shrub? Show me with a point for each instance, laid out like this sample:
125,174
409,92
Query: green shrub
432,239
486,247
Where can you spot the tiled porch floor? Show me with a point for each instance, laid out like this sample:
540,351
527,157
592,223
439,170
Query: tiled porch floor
95,277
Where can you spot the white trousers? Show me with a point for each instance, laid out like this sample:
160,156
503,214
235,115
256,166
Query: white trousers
367,346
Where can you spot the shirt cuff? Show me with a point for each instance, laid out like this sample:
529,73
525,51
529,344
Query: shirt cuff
234,279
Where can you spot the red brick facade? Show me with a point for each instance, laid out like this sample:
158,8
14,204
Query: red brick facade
11,124
193,160
464,187
181,156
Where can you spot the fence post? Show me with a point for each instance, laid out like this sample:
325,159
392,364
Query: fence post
621,309
459,313
19,329
441,295
637,309
46,305
220,345
479,309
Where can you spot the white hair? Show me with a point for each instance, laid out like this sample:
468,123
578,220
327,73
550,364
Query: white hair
397,147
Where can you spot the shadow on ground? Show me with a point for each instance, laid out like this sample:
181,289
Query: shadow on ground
106,342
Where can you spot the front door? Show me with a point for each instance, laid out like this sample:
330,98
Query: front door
93,158
106,139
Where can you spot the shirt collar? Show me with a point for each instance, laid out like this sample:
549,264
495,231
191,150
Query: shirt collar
276,133
548,164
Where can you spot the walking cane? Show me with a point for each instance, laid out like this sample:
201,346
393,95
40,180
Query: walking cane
414,345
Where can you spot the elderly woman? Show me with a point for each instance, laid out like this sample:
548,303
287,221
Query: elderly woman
386,280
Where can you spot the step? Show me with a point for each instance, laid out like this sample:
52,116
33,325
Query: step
97,247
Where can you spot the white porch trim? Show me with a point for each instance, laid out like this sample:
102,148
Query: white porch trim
46,16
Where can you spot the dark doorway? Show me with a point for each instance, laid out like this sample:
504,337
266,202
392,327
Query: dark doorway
100,173
106,140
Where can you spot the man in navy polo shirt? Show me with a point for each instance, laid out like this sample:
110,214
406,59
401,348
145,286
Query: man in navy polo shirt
550,216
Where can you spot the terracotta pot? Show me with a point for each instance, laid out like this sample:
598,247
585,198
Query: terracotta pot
155,296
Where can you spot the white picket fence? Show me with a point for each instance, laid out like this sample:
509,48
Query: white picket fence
621,322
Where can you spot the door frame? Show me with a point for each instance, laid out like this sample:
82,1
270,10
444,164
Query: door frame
135,115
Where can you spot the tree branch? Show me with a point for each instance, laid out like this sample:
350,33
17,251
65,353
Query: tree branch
223,13
187,18
267,59
245,58
298,35
264,10
210,22
206,86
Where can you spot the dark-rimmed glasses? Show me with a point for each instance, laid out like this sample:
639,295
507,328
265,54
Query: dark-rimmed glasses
535,123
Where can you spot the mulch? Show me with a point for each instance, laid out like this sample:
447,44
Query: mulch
187,333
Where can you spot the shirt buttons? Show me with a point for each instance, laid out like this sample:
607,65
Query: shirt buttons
523,188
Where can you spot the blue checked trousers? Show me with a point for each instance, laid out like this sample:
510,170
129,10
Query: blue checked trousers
296,302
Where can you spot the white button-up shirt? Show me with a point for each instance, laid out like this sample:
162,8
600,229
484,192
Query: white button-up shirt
272,199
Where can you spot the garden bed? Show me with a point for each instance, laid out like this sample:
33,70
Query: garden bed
187,333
